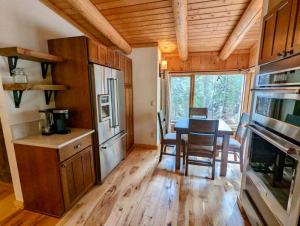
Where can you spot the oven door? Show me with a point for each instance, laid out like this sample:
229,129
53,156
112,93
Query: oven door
278,109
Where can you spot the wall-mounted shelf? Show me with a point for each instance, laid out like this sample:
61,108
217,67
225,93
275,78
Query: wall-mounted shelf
18,90
15,53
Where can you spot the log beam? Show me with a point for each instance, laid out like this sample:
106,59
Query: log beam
95,18
180,16
248,19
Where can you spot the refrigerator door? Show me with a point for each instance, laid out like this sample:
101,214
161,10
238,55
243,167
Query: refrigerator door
112,153
119,101
103,108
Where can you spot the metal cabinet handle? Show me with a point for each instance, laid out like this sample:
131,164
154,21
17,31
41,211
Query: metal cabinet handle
77,146
63,165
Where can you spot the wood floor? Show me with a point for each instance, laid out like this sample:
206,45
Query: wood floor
142,192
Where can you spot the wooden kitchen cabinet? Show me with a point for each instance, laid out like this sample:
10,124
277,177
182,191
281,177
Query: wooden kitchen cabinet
281,32
77,174
54,177
110,58
97,53
127,67
116,60
74,73
293,45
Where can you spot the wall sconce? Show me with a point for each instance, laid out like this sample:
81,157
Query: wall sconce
163,66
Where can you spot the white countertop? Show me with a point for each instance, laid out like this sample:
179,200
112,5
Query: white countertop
55,141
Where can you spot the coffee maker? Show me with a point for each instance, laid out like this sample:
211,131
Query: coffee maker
60,117
46,122
54,121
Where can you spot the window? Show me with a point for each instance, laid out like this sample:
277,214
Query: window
180,97
221,94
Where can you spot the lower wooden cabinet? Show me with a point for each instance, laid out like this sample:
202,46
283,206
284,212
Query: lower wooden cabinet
77,175
50,185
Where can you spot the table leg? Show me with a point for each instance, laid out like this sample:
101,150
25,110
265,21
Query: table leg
178,146
224,157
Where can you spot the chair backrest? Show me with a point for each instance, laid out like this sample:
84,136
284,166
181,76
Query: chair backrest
203,132
242,127
162,123
198,112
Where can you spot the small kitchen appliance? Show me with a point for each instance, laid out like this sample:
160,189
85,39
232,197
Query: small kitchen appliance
60,117
46,123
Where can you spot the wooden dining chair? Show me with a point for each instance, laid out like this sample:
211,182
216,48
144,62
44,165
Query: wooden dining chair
202,140
236,143
199,112
168,139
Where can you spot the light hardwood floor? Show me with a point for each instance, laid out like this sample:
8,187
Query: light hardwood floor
142,192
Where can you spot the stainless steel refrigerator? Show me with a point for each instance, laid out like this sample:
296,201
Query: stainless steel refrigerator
108,101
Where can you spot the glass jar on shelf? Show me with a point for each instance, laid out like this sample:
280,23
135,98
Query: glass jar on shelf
19,75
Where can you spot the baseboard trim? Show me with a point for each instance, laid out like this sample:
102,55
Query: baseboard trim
145,146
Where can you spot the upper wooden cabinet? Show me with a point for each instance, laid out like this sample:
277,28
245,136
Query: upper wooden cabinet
281,32
98,53
293,44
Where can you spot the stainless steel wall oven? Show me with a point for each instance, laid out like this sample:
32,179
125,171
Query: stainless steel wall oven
272,180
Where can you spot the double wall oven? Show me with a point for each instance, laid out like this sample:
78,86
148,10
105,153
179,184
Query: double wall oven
272,177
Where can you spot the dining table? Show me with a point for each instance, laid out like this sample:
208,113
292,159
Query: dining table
224,130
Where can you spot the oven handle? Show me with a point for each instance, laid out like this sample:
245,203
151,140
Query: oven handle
288,150
292,90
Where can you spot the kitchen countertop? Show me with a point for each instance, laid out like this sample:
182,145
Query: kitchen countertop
55,141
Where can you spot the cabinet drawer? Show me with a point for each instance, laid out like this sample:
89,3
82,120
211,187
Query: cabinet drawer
75,147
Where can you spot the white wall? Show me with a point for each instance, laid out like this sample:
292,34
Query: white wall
28,24
145,94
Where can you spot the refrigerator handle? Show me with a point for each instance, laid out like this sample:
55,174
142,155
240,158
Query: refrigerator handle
117,115
112,99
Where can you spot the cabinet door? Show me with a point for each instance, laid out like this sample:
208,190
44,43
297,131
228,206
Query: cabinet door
93,51
116,60
129,117
77,175
267,38
110,57
294,30
283,13
88,167
128,71
275,33
102,52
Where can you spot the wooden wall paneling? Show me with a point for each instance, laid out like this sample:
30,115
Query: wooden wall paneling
208,61
74,73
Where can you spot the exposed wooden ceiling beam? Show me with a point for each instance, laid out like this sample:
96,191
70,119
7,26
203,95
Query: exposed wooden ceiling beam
248,19
181,24
95,18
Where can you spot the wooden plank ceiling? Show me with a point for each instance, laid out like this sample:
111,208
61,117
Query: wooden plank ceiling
210,22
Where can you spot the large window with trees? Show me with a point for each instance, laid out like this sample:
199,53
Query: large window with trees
221,94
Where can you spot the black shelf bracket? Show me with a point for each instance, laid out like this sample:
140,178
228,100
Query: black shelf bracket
45,66
48,94
17,97
12,63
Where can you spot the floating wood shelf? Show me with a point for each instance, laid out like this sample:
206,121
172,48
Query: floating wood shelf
19,88
28,54
15,53
31,86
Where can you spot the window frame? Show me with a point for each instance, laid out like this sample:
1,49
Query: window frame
192,85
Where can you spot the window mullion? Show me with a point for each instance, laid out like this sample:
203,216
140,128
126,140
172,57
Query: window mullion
192,90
